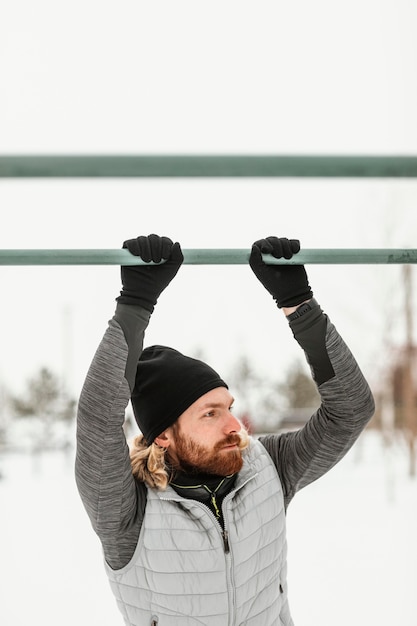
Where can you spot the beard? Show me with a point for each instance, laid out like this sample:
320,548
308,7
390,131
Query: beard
194,458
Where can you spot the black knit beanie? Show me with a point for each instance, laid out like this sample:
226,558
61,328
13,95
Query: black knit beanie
167,383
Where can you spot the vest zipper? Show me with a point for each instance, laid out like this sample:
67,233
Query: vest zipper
223,532
229,556
225,536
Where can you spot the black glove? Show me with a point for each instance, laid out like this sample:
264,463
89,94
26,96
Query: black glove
287,284
143,284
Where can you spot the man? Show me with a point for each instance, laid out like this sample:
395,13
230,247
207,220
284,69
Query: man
192,520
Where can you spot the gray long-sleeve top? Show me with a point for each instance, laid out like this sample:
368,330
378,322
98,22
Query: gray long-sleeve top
115,501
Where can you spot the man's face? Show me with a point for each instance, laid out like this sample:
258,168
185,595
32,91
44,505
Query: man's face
207,437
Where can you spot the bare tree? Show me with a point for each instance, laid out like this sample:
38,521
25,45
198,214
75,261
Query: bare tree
263,402
45,399
298,388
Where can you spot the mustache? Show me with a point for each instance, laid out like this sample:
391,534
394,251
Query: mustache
230,440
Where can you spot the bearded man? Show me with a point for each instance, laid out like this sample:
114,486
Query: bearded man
192,517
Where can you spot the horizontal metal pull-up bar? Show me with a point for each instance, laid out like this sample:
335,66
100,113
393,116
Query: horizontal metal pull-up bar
210,256
148,166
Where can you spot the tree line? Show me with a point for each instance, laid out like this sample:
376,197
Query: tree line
261,403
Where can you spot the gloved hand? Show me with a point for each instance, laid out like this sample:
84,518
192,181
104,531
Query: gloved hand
143,284
287,284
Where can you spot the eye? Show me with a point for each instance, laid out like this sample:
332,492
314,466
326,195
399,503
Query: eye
208,414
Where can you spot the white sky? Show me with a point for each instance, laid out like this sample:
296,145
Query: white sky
187,77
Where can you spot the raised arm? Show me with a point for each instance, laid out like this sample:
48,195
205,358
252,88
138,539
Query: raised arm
346,400
114,501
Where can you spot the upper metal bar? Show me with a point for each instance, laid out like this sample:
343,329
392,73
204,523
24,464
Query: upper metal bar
210,256
215,166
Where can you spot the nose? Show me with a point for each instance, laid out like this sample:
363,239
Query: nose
232,424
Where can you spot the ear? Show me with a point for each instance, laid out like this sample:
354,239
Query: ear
163,440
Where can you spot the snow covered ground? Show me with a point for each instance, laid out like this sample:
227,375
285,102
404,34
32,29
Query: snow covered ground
352,544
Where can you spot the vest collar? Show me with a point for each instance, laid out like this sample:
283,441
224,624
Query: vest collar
202,487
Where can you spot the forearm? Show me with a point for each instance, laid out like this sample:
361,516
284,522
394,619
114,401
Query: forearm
103,472
346,406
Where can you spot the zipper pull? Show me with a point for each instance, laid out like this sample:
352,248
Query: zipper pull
226,541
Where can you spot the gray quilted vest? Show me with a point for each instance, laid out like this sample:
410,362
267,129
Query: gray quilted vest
186,572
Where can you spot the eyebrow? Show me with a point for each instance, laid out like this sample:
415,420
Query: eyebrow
214,405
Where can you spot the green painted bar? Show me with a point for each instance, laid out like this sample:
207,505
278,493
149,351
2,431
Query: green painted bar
210,256
216,166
